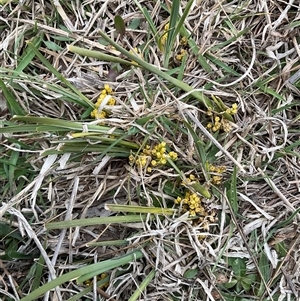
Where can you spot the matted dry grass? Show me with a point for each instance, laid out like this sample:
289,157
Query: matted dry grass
253,70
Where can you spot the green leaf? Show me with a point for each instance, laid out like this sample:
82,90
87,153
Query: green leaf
135,23
230,284
7,231
191,273
248,281
232,191
119,25
52,46
238,266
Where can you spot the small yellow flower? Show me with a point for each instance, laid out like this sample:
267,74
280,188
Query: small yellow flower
108,89
192,213
192,177
153,163
173,155
209,112
183,41
163,161
111,102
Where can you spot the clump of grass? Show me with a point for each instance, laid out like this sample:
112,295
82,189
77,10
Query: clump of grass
131,158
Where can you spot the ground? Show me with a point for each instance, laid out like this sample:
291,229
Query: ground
149,150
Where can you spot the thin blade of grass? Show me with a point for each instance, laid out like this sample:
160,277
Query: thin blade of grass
96,221
142,286
139,209
13,105
12,167
71,125
195,49
28,55
266,89
152,68
229,41
175,28
232,191
85,102
93,269
149,20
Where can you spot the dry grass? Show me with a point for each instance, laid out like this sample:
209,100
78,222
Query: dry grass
257,202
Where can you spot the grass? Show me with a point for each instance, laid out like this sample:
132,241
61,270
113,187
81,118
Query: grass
175,194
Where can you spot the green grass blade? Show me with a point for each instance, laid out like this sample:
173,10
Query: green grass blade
152,68
83,100
68,125
13,105
142,286
232,191
139,209
28,55
92,269
221,65
149,20
12,167
229,41
96,221
168,47
263,87
175,28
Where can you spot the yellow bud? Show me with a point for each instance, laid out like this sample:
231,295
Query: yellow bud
111,101
173,155
192,177
108,89
153,163
163,161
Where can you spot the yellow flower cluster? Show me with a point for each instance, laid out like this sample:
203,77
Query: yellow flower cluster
220,123
165,34
153,157
233,110
183,41
97,113
192,203
181,54
217,173
89,282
